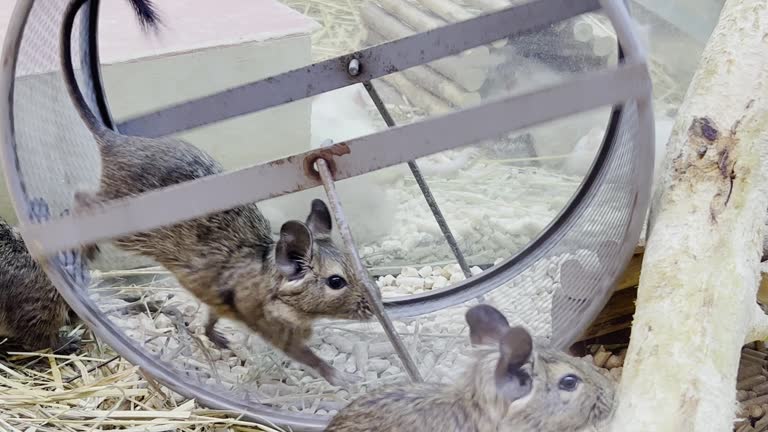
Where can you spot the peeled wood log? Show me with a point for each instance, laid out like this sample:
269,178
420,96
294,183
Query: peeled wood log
417,95
422,21
490,5
438,85
701,266
447,10
411,15
462,73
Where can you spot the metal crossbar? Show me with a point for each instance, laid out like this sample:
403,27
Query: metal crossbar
378,61
354,157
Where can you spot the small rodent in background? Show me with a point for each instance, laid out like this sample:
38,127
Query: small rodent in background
31,310
513,385
227,259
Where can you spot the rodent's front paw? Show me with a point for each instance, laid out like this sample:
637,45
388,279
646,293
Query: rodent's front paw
73,263
218,339
67,346
342,379
38,210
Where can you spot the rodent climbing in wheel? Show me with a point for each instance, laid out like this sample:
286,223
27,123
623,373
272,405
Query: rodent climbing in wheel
228,259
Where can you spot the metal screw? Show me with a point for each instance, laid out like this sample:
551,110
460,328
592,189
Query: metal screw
354,67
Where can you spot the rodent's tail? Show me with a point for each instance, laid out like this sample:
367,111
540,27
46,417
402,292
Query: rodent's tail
148,18
146,13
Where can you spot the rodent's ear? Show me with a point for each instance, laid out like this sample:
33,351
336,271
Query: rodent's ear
486,325
293,251
515,349
319,220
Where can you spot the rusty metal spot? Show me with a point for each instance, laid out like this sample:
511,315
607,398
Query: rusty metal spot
327,154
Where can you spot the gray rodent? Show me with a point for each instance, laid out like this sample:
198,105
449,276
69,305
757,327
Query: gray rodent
513,385
227,259
31,309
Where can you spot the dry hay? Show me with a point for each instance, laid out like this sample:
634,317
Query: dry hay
341,29
96,390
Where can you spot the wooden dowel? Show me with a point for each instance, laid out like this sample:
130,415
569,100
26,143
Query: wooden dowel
381,22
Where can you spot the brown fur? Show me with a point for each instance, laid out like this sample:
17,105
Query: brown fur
497,393
31,309
227,259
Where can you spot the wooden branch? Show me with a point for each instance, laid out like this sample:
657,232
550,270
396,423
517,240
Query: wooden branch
490,5
428,79
440,86
447,10
701,264
411,15
384,24
417,95
422,21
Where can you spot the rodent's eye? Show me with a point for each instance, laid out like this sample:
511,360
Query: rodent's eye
569,383
336,282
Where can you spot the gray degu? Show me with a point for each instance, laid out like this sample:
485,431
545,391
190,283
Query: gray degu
513,384
228,259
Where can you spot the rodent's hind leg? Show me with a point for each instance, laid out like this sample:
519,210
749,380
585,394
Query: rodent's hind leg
302,353
84,201
215,336
67,345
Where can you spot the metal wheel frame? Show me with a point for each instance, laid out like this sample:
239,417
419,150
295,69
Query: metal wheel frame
397,307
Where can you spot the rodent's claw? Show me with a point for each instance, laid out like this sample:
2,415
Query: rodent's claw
68,346
39,210
218,339
342,379
71,261
75,266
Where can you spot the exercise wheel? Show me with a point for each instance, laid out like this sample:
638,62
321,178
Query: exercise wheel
579,255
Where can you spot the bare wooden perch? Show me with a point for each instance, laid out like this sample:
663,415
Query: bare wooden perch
411,15
431,81
417,95
414,84
489,5
422,21
447,10
701,267
462,73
